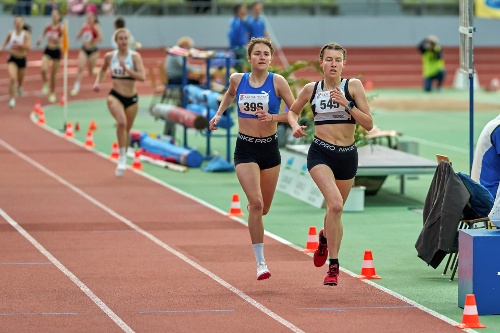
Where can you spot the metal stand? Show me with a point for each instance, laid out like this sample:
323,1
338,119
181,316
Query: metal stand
208,134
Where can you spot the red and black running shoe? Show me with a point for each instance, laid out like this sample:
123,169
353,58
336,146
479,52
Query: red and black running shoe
332,276
321,252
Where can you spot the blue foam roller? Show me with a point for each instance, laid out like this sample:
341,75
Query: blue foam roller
184,156
205,97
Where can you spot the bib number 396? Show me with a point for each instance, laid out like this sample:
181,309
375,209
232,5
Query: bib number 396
252,107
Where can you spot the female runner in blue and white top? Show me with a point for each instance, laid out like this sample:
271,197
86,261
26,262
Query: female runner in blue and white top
337,104
126,67
257,157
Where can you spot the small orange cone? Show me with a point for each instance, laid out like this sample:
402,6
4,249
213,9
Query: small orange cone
38,107
115,151
77,126
69,130
312,240
89,141
136,164
470,318
41,117
235,206
368,269
369,85
92,126
61,101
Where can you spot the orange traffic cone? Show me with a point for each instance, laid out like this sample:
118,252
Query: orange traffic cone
235,206
368,269
77,126
69,130
312,240
61,101
115,151
92,126
470,318
369,85
89,141
136,164
38,107
41,117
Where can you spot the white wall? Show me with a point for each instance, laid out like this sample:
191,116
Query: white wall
291,31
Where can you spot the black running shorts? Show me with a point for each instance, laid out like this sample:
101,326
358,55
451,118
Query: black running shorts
263,151
343,160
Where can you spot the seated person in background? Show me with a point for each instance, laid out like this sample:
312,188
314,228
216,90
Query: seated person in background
486,164
173,63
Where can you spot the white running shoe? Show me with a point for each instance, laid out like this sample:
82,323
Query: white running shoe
12,103
74,91
45,88
262,271
121,167
20,91
52,98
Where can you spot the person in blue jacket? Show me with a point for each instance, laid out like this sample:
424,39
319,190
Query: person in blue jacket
255,21
238,34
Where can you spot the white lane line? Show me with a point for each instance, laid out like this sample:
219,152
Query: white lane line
36,314
269,234
151,237
67,272
409,301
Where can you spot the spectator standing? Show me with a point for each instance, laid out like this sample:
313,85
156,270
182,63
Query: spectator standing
24,7
108,8
255,21
49,6
432,62
238,34
77,7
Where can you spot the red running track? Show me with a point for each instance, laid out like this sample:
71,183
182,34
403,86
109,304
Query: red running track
83,251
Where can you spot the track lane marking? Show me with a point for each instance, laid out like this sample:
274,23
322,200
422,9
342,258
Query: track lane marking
148,235
267,233
83,287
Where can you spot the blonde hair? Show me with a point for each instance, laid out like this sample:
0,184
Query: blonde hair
120,30
185,42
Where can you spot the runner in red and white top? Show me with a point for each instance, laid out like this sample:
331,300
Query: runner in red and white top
53,31
91,35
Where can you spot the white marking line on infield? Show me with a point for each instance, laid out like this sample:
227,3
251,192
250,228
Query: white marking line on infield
151,237
66,271
271,235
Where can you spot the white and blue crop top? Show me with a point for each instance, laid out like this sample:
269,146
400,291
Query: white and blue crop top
250,98
326,110
117,72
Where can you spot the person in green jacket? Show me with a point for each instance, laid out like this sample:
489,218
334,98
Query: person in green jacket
432,62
